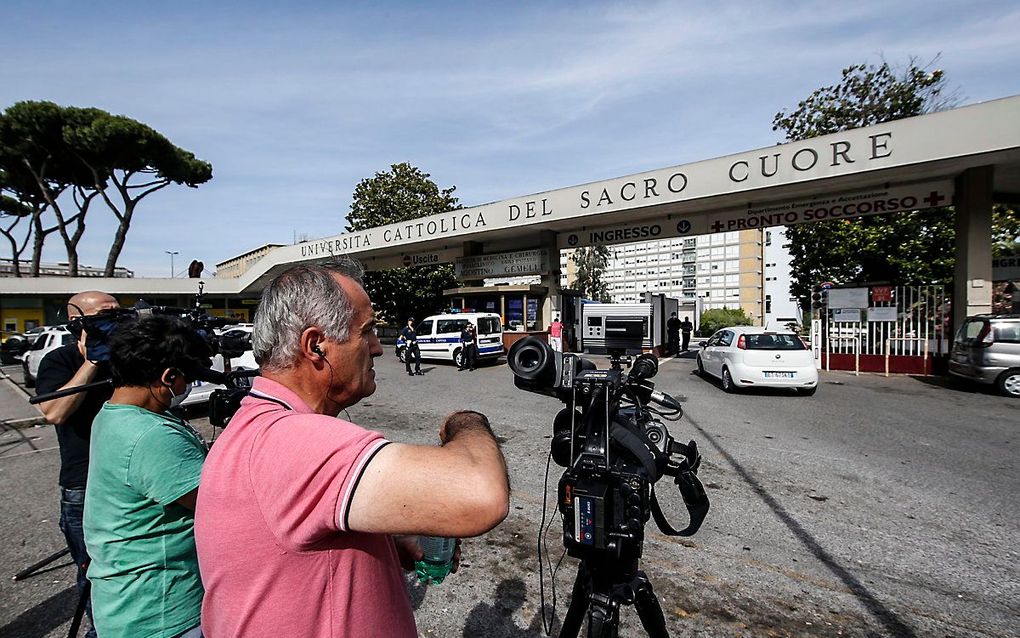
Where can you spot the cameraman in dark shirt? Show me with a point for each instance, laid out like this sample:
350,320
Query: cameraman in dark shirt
67,367
411,347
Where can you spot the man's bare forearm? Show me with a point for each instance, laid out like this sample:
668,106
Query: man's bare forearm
58,411
470,434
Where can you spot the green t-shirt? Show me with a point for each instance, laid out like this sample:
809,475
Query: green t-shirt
144,569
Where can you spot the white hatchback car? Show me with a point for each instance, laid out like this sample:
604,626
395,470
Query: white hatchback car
49,339
747,356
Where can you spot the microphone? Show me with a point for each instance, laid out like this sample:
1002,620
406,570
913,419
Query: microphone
660,398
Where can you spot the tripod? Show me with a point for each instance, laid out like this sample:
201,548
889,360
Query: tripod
79,610
600,589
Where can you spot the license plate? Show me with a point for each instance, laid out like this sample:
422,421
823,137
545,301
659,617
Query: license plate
780,375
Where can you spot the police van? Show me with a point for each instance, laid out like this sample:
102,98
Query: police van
439,336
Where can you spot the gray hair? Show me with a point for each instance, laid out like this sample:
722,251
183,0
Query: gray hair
301,297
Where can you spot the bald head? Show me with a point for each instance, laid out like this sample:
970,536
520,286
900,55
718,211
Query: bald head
89,303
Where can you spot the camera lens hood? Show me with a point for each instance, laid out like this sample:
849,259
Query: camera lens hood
531,359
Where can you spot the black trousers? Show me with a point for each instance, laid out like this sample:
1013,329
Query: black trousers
469,357
412,353
674,343
687,341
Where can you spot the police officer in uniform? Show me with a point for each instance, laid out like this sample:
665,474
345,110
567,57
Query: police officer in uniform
411,350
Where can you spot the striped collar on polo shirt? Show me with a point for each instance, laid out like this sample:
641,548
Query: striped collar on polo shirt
263,395
269,390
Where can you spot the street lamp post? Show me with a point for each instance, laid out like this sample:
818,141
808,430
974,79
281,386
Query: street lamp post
171,253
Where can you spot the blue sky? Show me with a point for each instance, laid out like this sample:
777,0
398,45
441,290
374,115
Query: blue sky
295,105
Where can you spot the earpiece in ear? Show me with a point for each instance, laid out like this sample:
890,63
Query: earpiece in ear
317,350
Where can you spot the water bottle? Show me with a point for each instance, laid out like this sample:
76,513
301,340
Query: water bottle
437,558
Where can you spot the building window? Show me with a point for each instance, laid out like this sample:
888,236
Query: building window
768,303
768,240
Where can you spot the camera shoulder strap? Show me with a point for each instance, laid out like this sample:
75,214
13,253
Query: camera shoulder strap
638,448
695,499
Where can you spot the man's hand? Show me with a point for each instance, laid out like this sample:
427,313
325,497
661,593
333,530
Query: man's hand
408,551
81,344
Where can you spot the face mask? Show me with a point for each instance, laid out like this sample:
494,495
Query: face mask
177,399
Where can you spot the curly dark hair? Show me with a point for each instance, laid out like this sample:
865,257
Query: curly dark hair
141,351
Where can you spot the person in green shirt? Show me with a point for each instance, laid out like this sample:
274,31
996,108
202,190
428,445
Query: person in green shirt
142,484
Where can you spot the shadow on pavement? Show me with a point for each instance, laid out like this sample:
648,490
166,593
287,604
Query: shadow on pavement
954,384
496,620
761,391
893,624
40,620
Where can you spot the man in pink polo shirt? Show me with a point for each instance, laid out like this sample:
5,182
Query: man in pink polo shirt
297,508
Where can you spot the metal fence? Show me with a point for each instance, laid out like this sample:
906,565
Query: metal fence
919,326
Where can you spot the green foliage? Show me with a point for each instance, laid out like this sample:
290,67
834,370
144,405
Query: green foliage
904,247
712,320
1005,231
866,95
403,193
911,247
12,212
55,156
591,263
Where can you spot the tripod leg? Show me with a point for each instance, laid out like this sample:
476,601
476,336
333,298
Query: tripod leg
603,616
31,569
571,626
648,608
79,612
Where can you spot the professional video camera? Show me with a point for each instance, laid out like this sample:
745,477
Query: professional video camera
100,328
614,450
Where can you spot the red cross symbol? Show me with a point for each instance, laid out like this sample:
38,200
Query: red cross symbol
933,199
716,227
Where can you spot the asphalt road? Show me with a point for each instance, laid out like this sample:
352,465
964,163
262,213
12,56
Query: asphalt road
878,507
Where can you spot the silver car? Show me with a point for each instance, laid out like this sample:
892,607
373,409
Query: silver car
987,350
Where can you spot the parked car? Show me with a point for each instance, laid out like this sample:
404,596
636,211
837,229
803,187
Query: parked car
439,336
14,348
746,356
987,350
49,339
